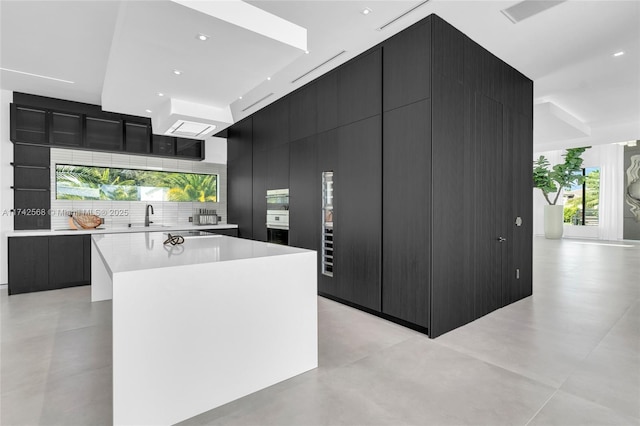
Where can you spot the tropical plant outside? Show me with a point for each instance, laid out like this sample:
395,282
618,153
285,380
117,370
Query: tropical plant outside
564,175
104,183
591,194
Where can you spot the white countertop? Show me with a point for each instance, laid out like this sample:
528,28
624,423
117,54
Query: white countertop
127,252
117,229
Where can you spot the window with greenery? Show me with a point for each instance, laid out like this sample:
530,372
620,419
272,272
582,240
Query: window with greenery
582,201
104,183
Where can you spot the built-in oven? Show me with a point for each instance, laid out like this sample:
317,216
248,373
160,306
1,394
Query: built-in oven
278,216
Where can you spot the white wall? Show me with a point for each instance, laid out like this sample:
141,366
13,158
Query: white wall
215,150
610,159
6,181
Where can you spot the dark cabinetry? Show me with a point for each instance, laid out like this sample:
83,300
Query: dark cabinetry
137,137
46,121
103,134
304,193
60,261
66,129
360,88
31,182
259,193
240,177
357,228
232,232
29,125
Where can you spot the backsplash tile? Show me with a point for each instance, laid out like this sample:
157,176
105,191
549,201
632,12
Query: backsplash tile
123,213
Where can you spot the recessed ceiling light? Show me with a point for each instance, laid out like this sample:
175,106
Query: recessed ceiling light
202,37
306,52
620,53
148,110
160,94
365,11
239,97
177,72
268,78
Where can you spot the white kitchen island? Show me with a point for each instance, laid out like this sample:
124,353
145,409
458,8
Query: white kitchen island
201,324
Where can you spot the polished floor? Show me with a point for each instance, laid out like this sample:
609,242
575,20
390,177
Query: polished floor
569,355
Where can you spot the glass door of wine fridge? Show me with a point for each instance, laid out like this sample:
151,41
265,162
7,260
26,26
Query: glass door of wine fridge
327,223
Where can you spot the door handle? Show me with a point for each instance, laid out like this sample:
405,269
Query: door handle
501,239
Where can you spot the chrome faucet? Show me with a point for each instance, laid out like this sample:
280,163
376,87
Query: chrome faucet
146,215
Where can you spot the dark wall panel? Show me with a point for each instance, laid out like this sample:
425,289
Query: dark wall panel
240,176
451,293
406,194
357,229
407,66
271,125
277,167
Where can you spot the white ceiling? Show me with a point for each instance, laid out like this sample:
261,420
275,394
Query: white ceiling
121,55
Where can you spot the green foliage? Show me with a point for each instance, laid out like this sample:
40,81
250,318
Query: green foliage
82,183
563,175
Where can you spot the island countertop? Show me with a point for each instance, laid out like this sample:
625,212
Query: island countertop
145,250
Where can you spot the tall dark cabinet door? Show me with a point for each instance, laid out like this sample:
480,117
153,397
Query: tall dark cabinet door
357,232
240,177
327,152
303,113
406,191
304,194
278,167
260,194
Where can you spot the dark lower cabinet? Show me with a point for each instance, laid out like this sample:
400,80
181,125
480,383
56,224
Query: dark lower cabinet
358,213
28,264
48,263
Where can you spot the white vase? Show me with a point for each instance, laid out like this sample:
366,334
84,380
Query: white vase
553,221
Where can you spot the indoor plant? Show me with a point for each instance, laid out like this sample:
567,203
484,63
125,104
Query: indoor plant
552,180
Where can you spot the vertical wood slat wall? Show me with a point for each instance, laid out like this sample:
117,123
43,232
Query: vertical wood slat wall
430,138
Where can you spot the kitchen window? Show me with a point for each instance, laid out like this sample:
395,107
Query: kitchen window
74,182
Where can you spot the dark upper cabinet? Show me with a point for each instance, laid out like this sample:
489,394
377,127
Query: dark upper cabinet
259,194
66,261
357,232
327,102
24,254
103,134
30,155
65,129
29,125
406,191
304,194
240,140
360,88
163,145
137,138
278,167
190,148
407,66
303,113
271,125
448,49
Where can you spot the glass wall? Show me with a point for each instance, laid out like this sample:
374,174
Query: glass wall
581,202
